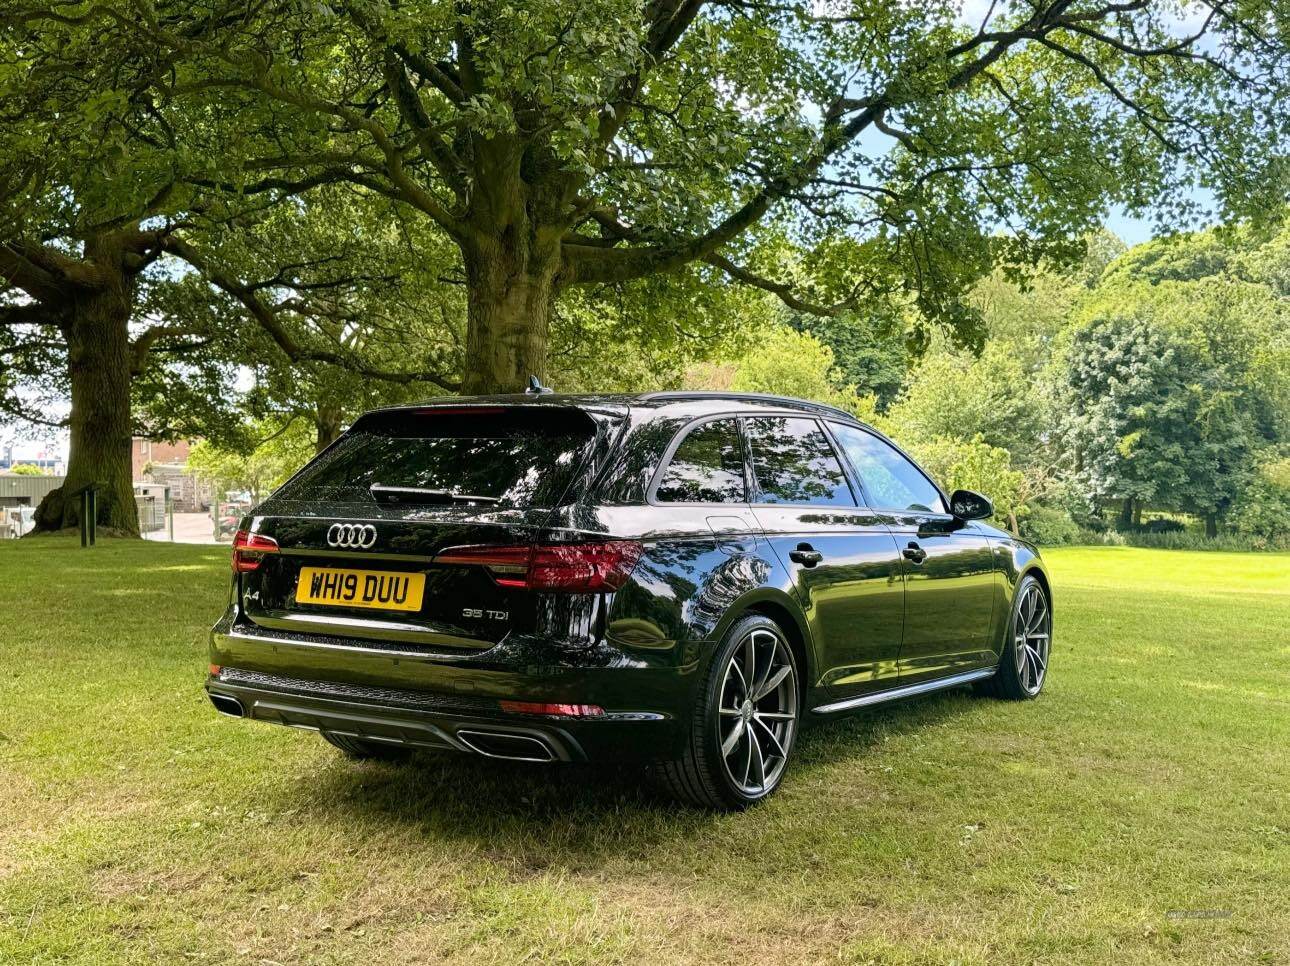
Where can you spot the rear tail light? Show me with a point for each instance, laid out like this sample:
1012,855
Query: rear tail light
575,568
249,550
553,710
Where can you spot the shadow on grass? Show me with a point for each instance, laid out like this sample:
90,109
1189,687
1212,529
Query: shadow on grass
575,816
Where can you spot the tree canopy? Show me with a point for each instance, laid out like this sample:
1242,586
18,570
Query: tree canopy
354,200
563,144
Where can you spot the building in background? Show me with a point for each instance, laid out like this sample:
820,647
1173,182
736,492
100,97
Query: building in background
45,458
167,464
19,497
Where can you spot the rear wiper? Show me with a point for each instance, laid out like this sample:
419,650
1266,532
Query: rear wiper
416,494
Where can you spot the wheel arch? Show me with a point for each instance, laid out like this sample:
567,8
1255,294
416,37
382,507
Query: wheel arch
1030,564
1041,575
783,610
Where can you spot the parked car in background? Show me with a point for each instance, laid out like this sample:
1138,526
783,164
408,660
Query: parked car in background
682,579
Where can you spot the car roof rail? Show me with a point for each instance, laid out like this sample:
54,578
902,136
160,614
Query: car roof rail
684,394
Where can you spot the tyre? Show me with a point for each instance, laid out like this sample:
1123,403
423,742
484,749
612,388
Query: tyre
362,750
744,723
1023,663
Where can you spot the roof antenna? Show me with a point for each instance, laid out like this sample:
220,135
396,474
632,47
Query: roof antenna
536,388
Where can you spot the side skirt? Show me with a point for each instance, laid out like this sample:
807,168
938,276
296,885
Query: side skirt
908,691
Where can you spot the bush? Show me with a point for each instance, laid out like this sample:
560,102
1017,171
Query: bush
1187,540
1165,526
1050,527
1263,509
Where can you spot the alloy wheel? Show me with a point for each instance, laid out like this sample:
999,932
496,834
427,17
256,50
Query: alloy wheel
757,712
1032,634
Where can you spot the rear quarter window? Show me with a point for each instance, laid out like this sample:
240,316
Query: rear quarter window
707,466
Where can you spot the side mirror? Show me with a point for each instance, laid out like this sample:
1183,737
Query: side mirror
967,505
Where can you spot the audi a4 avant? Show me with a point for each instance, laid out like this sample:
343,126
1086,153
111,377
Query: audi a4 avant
681,579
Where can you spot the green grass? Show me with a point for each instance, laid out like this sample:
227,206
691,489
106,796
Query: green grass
1152,777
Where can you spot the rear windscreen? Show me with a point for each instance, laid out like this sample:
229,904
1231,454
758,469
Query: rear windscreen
521,457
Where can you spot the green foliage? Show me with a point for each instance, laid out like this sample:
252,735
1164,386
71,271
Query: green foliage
1175,258
1213,311
1145,417
1188,540
960,396
1263,508
973,465
600,142
275,453
1050,526
26,469
869,351
784,362
645,334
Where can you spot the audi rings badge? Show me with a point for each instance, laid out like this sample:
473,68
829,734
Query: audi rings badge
351,536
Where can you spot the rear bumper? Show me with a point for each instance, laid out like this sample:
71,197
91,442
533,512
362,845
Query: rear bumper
452,702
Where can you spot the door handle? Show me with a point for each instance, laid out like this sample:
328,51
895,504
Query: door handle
914,553
806,555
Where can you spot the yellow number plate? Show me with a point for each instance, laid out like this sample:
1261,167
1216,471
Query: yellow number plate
378,589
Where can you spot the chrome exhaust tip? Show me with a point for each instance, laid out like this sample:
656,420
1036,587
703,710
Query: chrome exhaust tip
229,705
506,745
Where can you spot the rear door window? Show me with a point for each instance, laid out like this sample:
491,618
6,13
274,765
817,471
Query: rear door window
707,466
511,457
793,462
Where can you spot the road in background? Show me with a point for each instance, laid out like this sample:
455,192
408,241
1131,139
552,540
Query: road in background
189,528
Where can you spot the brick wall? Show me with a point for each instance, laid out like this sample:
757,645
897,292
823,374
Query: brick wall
145,451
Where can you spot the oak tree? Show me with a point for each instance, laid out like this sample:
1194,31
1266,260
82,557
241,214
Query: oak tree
564,144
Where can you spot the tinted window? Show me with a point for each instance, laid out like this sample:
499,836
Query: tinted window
890,480
708,467
520,457
794,463
632,467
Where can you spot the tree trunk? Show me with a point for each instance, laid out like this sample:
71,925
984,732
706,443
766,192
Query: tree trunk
99,364
327,422
511,291
1126,513
1211,525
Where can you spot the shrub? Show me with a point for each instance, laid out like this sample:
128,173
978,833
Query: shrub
1263,508
1165,526
1187,540
1049,527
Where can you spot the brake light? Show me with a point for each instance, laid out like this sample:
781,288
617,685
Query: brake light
459,411
575,568
554,710
249,550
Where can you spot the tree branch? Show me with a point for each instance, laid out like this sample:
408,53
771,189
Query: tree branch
589,263
779,289
268,320
20,265
145,340
32,313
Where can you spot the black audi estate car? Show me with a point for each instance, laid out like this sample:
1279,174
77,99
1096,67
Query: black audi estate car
682,579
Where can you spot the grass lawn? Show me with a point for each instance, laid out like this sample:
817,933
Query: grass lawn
1138,812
